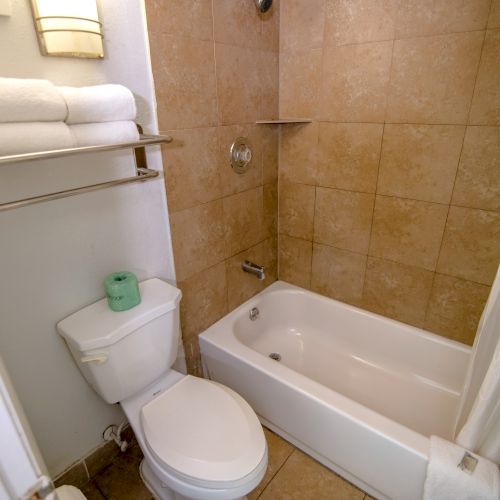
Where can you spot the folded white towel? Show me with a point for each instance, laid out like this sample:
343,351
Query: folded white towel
100,103
18,138
91,134
446,481
27,100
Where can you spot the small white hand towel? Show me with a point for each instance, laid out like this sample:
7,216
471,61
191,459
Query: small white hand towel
18,138
99,103
92,134
28,100
446,481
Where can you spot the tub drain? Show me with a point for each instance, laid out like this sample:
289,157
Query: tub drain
275,356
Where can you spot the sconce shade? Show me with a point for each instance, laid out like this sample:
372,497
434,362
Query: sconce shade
68,28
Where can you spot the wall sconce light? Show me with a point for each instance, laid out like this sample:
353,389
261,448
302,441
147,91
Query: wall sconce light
68,28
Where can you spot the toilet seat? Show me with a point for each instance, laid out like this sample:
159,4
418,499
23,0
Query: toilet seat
204,433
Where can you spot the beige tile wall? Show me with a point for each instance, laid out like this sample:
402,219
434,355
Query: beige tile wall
390,199
215,65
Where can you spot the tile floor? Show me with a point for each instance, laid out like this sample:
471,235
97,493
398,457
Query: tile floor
291,475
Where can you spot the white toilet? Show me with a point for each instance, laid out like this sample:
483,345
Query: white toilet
200,439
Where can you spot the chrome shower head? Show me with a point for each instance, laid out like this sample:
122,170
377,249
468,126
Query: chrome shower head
263,5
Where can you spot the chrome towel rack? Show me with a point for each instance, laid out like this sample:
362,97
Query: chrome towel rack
143,173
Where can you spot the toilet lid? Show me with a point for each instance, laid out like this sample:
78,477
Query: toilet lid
205,431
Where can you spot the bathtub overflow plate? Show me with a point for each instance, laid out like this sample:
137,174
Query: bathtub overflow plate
275,356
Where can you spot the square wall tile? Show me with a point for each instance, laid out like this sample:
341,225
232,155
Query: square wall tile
420,161
193,358
486,103
236,22
471,245
241,285
408,231
397,291
338,274
348,155
204,300
478,179
230,181
184,73
270,138
271,27
239,83
295,258
298,153
269,84
494,20
359,21
300,78
296,207
270,210
434,17
194,19
191,173
301,24
432,79
455,308
243,220
343,219
354,82
197,238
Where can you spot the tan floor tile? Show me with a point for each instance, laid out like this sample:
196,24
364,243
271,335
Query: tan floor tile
343,219
298,153
434,17
188,186
354,82
408,231
240,285
302,478
204,300
359,21
338,274
455,308
91,491
486,103
295,260
76,476
243,220
239,83
230,181
397,291
301,24
184,73
348,155
278,451
300,76
296,206
420,161
478,179
432,78
194,19
494,21
197,238
100,458
471,245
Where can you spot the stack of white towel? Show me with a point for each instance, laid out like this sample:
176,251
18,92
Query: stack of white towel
35,115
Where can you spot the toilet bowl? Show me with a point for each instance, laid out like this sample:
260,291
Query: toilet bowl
200,439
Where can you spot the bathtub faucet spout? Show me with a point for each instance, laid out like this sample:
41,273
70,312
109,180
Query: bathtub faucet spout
250,267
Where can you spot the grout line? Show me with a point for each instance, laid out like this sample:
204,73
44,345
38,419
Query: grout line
279,469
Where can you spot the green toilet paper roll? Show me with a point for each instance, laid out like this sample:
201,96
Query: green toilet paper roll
122,291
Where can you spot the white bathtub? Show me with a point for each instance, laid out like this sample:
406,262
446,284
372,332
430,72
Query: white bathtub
359,392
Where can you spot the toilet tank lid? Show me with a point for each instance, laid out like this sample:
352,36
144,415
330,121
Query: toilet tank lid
97,326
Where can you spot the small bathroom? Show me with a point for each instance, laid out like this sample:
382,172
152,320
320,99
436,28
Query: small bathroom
250,249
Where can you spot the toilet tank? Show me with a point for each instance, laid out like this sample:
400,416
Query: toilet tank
121,353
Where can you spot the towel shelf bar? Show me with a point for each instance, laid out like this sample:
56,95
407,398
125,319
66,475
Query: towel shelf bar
145,140
143,173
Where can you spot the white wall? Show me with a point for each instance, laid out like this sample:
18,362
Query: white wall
54,256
